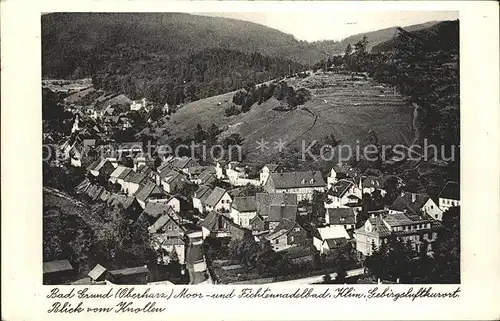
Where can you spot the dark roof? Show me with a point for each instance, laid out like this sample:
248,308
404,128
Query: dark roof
336,242
451,190
127,171
341,216
272,167
412,202
145,190
210,220
340,188
279,212
265,200
375,182
155,209
244,204
215,196
379,226
164,219
203,192
130,271
57,266
295,179
346,170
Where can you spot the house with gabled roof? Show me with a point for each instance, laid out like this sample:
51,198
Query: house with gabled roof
279,212
266,170
218,200
150,191
200,197
56,272
288,233
169,234
341,171
345,217
258,224
420,230
371,184
329,238
243,209
449,196
219,225
134,180
416,203
303,184
264,201
344,193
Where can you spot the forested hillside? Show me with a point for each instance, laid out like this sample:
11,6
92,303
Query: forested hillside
176,80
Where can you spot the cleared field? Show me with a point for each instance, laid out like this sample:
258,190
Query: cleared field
341,106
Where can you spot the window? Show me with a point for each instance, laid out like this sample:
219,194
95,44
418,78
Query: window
276,241
436,216
291,238
297,229
175,227
170,227
432,206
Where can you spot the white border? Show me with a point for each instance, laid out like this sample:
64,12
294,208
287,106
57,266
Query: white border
23,297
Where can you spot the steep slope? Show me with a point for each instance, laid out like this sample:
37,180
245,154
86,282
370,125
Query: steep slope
379,36
346,108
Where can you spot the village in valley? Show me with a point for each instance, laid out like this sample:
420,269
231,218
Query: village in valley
120,210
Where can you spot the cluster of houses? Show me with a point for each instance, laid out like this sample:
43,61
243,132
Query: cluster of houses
164,194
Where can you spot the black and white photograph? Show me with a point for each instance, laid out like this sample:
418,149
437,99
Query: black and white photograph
231,148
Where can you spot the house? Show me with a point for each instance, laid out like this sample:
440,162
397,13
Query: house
134,180
178,163
258,224
200,198
345,217
266,170
207,177
113,177
343,193
168,234
193,173
149,192
138,105
99,273
220,170
243,209
279,212
57,272
371,184
287,234
95,167
416,203
171,180
449,196
330,238
219,225
303,184
264,201
341,171
134,275
122,176
420,230
218,200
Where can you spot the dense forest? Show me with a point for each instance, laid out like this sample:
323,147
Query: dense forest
210,72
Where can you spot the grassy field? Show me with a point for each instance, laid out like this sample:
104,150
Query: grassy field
340,106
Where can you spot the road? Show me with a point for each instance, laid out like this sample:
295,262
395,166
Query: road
319,278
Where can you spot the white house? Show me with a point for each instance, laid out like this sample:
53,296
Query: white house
339,172
449,196
218,200
344,193
200,197
266,171
138,105
303,184
243,210
329,238
219,170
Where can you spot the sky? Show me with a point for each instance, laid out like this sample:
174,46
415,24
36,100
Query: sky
313,26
